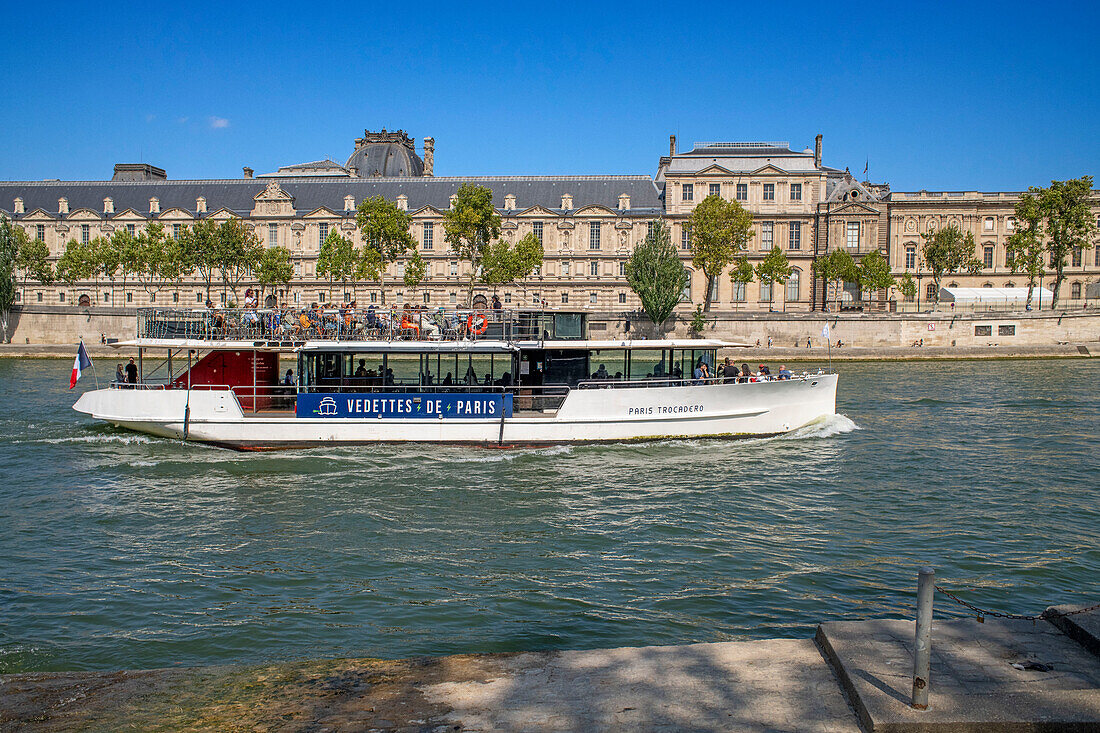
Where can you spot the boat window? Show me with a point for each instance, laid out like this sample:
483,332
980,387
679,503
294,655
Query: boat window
648,363
607,364
565,367
568,325
403,369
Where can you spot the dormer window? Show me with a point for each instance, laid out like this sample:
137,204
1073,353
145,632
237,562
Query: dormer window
154,205
200,205
403,202
567,201
108,205
63,205
349,203
510,202
19,205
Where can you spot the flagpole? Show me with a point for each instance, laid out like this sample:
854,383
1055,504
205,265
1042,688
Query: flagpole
92,365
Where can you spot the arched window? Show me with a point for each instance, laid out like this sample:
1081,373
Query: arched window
1075,291
987,285
792,287
1010,284
84,300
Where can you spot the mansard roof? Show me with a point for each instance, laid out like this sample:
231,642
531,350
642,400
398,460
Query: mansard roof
309,193
744,157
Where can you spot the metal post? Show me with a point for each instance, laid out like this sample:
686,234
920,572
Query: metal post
922,654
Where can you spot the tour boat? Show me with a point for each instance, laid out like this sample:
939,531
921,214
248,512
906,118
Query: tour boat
269,379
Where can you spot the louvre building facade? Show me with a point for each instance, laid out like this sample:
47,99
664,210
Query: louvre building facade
588,224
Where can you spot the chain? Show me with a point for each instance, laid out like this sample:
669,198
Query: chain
983,612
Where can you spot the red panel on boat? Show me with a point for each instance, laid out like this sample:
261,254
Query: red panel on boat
235,369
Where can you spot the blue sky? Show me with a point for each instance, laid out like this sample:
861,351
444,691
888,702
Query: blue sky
984,96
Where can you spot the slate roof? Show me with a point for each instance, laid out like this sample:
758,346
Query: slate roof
310,194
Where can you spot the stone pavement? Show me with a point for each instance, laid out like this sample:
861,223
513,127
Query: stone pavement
1001,675
774,685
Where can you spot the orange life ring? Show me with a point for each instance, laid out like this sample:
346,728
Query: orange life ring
482,321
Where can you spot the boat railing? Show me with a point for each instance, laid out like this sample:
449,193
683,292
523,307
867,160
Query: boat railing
651,382
393,323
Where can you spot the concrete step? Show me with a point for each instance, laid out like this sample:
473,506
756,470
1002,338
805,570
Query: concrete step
1084,628
973,685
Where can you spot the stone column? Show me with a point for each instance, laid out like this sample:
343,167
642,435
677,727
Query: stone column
429,156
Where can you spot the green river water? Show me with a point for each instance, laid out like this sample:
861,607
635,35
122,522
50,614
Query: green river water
124,551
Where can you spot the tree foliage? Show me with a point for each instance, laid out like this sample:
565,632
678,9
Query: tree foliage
386,238
657,275
948,251
835,268
1067,222
415,270
873,273
719,231
1024,247
503,263
338,260
274,268
32,259
469,227
198,244
9,252
907,286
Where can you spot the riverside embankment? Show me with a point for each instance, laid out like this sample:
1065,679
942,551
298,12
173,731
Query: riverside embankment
1002,675
61,325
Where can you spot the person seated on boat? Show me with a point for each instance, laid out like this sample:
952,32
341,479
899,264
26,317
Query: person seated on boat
361,370
730,372
389,377
448,380
746,373
677,372
659,370
702,372
765,371
471,375
288,380
784,372
497,304
601,373
427,377
488,381
506,379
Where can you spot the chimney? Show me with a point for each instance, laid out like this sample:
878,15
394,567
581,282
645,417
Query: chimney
429,156
248,172
671,145
19,205
817,151
403,202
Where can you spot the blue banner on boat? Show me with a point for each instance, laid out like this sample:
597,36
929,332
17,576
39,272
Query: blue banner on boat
404,405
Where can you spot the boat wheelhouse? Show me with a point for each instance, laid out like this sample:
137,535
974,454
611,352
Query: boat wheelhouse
264,379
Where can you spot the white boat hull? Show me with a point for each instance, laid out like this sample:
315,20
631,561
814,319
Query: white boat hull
586,416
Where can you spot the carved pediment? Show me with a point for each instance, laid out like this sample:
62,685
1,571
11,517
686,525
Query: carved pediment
273,201
566,225
591,209
769,168
509,225
715,170
624,224
39,215
84,215
854,207
537,211
323,212
175,213
129,214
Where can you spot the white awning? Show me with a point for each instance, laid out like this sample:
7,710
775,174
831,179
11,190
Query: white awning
995,296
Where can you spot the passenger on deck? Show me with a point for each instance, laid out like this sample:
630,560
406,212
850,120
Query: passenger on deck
361,370
784,372
447,380
677,372
765,371
131,372
659,370
288,380
702,372
730,372
506,379
471,375
601,373
746,373
488,381
120,376
496,303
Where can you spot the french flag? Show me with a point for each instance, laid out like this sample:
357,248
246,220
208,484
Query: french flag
82,362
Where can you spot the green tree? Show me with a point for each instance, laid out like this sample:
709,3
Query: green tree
469,226
719,230
503,264
873,273
75,264
238,251
131,254
9,253
415,270
198,246
337,260
151,260
742,274
948,251
1024,247
657,275
907,286
835,268
107,259
386,238
179,257
274,269
33,260
774,268
1067,221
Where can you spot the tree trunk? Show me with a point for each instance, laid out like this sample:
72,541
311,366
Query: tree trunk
1059,278
706,295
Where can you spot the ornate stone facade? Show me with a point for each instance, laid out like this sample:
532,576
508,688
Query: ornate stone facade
588,224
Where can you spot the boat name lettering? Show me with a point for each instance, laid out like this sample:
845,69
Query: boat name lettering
663,409
404,405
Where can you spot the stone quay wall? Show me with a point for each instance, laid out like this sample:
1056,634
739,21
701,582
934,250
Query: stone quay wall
59,325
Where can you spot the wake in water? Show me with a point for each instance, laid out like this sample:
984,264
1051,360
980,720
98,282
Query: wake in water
825,428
